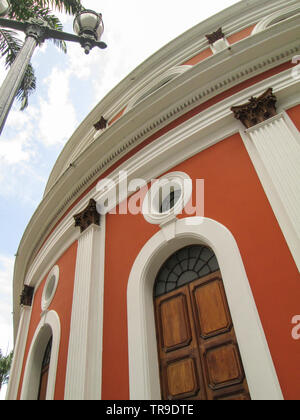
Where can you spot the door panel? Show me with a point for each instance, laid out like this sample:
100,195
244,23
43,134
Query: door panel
198,351
211,311
223,366
175,322
182,378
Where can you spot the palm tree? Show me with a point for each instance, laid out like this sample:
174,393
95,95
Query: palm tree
5,363
10,44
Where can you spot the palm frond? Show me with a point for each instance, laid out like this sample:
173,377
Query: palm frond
22,9
68,6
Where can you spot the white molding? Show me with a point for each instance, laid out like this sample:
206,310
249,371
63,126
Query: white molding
49,325
267,20
220,45
83,374
18,357
143,360
153,86
63,236
274,148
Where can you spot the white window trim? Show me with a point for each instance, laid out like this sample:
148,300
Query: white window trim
46,296
143,360
50,321
151,212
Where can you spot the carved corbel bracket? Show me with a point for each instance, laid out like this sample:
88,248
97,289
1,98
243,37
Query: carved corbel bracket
101,124
215,36
256,110
88,216
27,296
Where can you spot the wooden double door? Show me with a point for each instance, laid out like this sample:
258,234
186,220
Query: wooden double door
198,351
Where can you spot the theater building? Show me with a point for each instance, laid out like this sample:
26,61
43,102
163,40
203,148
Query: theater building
163,261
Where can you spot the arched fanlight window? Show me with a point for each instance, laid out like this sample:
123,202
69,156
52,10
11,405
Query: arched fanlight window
183,267
45,371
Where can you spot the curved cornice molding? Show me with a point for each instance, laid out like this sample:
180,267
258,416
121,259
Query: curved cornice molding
233,19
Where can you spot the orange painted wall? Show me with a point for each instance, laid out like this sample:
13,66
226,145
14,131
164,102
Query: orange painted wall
199,57
232,39
294,114
62,304
235,198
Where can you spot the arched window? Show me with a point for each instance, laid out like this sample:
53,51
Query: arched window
45,371
183,267
41,365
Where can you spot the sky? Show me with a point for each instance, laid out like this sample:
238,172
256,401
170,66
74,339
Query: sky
68,88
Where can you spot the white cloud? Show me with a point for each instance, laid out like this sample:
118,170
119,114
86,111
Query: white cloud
57,117
15,143
12,150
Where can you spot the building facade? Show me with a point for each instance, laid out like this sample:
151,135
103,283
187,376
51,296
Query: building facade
163,261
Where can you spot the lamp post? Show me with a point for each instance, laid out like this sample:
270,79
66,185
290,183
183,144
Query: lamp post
87,24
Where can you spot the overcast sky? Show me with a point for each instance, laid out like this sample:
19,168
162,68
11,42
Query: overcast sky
68,87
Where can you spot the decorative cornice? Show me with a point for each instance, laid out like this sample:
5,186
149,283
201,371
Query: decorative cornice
256,110
27,296
88,216
215,36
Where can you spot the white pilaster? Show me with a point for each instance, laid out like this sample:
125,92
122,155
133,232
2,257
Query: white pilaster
274,147
19,350
84,365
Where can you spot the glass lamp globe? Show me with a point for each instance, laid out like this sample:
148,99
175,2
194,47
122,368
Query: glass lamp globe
89,23
4,7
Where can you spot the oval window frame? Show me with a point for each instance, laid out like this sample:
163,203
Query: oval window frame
159,192
50,288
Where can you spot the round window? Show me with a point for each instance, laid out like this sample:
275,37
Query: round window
50,287
167,197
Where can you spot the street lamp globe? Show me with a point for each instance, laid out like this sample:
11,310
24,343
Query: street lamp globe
88,24
4,7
